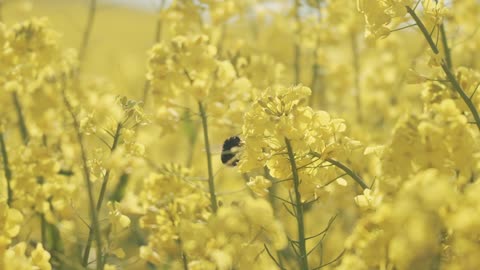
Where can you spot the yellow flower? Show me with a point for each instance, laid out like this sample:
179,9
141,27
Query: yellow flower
367,200
109,267
259,185
117,219
16,258
379,13
10,221
40,258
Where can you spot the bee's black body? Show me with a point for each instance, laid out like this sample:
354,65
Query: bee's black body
228,156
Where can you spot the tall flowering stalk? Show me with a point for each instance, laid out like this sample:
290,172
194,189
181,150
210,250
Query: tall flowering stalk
446,63
281,133
379,14
186,72
87,32
88,183
211,180
6,168
298,209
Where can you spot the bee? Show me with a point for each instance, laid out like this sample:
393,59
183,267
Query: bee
230,149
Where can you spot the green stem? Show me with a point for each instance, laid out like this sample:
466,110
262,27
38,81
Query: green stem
119,190
315,71
98,207
191,130
348,171
6,168
271,197
297,52
446,69
303,262
423,29
55,240
1,9
356,80
43,228
88,29
344,168
158,26
88,183
211,180
184,260
273,189
107,174
182,254
314,82
21,118
156,39
446,49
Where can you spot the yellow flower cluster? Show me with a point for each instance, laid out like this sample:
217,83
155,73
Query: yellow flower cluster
181,225
186,71
410,219
280,115
379,14
436,133
15,256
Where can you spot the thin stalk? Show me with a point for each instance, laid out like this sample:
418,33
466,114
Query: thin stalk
297,52
273,189
43,222
43,229
65,261
55,240
119,190
404,27
1,9
158,30
21,118
182,254
191,130
356,79
184,261
211,182
88,29
315,71
348,171
313,84
446,49
423,29
156,39
271,197
332,261
44,226
6,168
98,207
273,258
303,262
107,174
463,95
88,183
451,78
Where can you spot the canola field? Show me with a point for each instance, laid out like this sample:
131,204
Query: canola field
232,135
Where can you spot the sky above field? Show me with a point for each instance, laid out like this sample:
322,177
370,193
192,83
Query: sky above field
154,4
143,4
